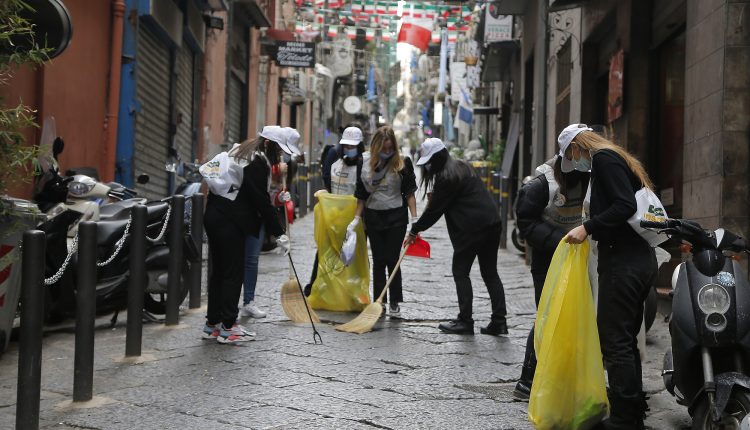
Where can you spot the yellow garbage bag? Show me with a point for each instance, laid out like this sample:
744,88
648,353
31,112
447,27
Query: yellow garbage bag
339,287
569,390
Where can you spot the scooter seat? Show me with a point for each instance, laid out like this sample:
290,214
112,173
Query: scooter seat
156,211
110,231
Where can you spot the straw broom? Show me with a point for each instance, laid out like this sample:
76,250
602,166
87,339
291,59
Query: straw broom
293,299
368,317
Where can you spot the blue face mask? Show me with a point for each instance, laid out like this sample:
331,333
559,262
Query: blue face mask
385,156
351,153
583,164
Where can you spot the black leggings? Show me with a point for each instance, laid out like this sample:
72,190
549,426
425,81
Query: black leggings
484,248
386,248
626,273
226,244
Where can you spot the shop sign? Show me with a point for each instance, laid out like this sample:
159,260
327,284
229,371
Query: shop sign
295,54
497,27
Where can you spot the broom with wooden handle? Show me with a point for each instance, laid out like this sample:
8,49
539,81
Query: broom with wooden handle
368,317
293,299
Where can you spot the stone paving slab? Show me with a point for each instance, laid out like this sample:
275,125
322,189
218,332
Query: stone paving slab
405,374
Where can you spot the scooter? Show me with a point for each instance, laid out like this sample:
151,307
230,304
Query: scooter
706,368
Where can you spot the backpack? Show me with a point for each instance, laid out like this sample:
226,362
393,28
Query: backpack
223,175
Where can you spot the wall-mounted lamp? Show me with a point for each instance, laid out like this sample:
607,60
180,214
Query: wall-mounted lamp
214,22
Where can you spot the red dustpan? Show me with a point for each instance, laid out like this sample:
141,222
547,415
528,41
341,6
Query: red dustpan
419,248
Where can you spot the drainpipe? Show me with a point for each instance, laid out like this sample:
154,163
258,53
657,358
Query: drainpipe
113,98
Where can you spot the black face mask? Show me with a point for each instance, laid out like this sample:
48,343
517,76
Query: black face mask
427,167
350,161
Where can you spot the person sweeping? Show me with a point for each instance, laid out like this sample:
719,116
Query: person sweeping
473,226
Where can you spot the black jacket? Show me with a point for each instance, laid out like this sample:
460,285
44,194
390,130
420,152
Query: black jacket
331,156
532,199
252,207
466,204
613,188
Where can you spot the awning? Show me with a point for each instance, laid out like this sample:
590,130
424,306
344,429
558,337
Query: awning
249,10
497,60
511,144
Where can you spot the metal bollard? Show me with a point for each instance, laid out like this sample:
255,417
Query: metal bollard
504,208
196,267
174,269
495,189
137,256
83,365
30,342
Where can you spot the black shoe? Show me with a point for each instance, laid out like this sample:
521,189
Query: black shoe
308,290
522,390
495,328
457,327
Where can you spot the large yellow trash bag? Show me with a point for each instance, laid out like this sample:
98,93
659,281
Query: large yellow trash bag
569,391
339,287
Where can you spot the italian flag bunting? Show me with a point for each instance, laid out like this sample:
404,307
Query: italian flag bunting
386,36
392,8
357,7
382,7
436,36
370,6
333,31
298,27
351,32
369,34
416,32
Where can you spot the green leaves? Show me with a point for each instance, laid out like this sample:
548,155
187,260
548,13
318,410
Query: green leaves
16,157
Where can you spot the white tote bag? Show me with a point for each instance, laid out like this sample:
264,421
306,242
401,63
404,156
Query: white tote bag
649,209
223,175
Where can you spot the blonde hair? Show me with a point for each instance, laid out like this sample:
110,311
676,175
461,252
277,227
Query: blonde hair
246,149
594,142
376,145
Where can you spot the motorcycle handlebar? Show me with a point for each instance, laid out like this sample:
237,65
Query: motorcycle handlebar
654,224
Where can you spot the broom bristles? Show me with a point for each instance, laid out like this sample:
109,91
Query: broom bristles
293,303
365,321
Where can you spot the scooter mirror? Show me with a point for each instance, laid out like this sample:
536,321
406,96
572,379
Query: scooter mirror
57,147
143,179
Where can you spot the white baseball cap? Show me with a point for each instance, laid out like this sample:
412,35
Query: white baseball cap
430,147
563,140
351,136
292,138
276,134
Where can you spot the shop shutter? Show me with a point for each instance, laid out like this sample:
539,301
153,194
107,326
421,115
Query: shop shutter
185,101
234,109
152,121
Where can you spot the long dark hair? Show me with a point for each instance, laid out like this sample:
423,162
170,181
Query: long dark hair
445,168
268,147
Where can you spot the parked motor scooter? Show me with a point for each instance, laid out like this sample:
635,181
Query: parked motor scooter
707,366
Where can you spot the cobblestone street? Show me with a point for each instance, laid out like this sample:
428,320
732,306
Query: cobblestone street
404,375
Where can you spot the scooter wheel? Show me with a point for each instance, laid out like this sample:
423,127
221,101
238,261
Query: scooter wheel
737,408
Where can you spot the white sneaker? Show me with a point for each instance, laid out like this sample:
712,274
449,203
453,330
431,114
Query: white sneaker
395,312
252,311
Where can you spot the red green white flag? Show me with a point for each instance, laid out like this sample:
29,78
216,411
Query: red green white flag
333,31
351,32
369,34
416,32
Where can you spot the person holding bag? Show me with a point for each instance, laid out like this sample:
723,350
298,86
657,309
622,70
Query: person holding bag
242,212
474,228
627,262
548,206
384,190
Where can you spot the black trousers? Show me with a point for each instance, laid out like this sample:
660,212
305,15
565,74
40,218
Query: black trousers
226,244
626,273
484,247
539,267
386,247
